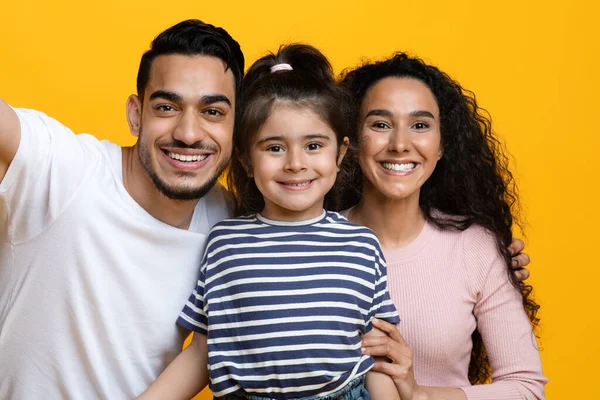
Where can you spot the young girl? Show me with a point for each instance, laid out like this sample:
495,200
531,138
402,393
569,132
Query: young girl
285,292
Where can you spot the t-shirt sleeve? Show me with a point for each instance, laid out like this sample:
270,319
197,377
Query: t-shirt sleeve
383,308
504,326
47,169
194,316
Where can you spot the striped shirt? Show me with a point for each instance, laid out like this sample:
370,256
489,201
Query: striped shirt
284,304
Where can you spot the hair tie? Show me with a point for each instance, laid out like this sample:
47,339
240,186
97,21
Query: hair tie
281,67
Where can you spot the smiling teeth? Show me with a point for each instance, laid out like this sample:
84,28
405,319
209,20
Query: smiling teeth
399,167
184,158
299,184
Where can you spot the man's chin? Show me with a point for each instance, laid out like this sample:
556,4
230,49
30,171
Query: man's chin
186,193
183,192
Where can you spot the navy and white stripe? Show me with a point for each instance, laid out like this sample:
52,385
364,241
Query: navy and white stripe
284,304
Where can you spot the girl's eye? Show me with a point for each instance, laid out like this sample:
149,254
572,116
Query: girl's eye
420,125
314,146
275,148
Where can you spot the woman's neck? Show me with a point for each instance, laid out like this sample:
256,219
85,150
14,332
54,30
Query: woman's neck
395,222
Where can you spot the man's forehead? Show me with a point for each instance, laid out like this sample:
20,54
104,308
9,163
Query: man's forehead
185,73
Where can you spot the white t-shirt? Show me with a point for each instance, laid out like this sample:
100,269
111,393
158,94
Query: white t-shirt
90,283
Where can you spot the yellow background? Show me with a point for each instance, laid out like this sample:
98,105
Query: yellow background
533,65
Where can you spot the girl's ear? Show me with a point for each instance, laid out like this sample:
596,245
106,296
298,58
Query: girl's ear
343,150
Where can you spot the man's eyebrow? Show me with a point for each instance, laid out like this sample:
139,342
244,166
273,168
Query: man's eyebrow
379,113
176,97
215,98
165,94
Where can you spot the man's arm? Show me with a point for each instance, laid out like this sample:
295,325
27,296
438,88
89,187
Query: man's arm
10,136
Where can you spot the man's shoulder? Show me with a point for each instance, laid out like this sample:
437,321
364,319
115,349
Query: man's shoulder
219,200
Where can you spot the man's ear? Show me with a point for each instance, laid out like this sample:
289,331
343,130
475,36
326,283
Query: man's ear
134,114
343,150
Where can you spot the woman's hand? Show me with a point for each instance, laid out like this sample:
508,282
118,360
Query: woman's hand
394,347
519,259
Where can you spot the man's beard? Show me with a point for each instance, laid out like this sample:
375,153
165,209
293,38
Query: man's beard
178,193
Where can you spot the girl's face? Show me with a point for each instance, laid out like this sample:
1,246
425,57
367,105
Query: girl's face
294,161
400,137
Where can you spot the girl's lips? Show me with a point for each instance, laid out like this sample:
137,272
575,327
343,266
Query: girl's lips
297,185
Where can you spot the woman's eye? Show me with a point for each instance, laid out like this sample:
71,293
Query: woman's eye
275,149
420,125
380,125
314,146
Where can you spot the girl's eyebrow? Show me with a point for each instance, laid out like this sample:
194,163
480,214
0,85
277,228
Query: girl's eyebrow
317,136
270,139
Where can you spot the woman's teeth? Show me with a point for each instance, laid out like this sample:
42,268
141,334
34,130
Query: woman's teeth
399,167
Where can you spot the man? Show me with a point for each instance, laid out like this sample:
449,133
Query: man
101,245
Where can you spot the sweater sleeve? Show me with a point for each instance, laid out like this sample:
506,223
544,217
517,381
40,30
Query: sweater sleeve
504,326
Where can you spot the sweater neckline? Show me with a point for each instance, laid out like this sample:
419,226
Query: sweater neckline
414,247
411,249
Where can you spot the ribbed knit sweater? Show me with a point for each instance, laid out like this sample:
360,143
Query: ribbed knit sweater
447,283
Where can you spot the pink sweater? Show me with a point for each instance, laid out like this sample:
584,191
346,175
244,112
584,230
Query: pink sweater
446,284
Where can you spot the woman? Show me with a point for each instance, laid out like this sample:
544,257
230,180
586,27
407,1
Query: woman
437,192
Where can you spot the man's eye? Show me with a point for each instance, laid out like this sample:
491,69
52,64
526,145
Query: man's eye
214,113
420,125
165,107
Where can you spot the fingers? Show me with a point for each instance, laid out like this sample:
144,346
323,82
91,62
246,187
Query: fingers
516,246
520,260
383,346
521,274
389,329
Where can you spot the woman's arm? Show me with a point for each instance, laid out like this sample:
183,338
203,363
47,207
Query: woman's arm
400,365
502,322
504,326
185,376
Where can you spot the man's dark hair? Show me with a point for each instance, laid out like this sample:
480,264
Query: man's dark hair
193,37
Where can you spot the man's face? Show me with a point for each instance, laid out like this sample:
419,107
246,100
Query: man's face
186,124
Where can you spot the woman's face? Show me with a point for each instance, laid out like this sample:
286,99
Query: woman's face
400,137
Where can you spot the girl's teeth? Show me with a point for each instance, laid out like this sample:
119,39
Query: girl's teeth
184,158
298,184
399,167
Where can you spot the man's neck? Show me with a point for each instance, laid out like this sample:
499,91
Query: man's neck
177,213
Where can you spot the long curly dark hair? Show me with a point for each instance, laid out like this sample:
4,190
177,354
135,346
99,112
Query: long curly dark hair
471,180
309,84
